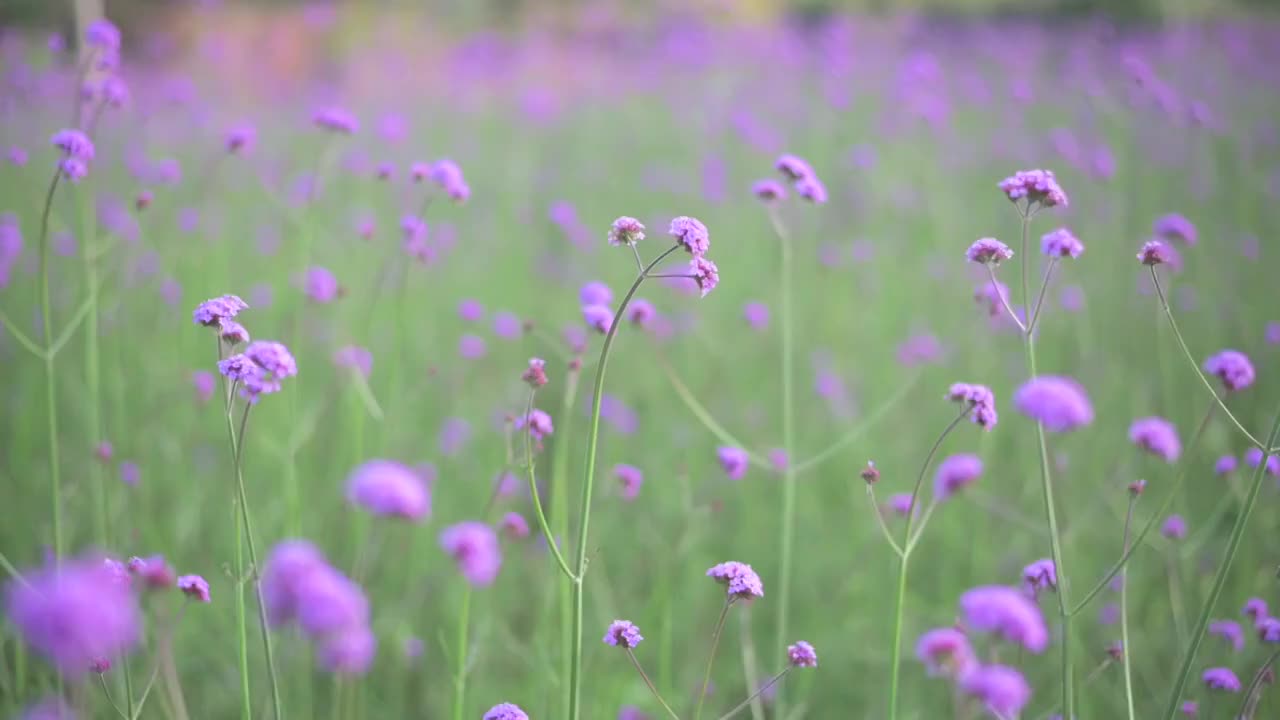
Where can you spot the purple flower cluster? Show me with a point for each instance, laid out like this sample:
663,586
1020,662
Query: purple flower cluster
1059,403
1006,612
447,175
505,711
475,550
1230,631
626,231
945,652
1035,187
1156,436
734,461
259,369
1233,368
299,585
630,478
389,489
1154,252
955,473
1040,575
1175,227
1221,678
1061,243
743,582
802,655
336,119
979,399
212,312
1001,689
988,251
623,634
803,179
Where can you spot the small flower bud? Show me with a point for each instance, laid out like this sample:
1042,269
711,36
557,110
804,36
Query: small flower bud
870,473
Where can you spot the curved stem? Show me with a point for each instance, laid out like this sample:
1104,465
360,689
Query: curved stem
1044,287
107,691
995,288
1124,615
861,428
1164,303
763,688
924,469
787,540
50,386
560,518
884,527
1253,685
657,695
1220,579
711,659
703,415
552,543
588,485
460,679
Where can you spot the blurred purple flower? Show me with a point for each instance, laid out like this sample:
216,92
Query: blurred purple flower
390,489
474,547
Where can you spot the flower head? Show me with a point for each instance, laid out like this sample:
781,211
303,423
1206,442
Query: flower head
474,547
505,711
1059,403
212,312
240,138
349,651
690,234
1040,575
1175,227
1268,629
793,167
623,634
1154,252
1034,186
956,473
1007,612
802,655
980,400
1061,243
988,250
742,581
1221,678
336,119
734,461
705,274
153,571
1157,436
320,285
514,525
1001,689
73,169
945,651
641,312
1255,608
1253,458
1232,368
769,190
102,34
630,478
598,317
288,565
195,587
626,231
1230,631
1225,465
595,293
538,422
535,376
389,489
1174,527
74,144
232,332
812,189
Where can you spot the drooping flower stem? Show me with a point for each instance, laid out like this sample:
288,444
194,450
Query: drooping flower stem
652,688
904,559
1046,481
552,542
1124,614
787,329
711,657
1220,579
763,688
460,673
50,385
588,486
1249,699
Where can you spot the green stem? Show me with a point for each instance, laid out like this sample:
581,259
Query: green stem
51,391
1220,579
1175,597
552,543
1055,538
560,518
858,430
102,679
588,484
711,658
772,681
1124,615
703,415
749,664
1253,685
246,696
787,540
653,689
884,528
92,370
460,678
1034,317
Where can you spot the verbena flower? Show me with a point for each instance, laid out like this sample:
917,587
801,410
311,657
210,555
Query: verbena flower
389,489
1154,252
1035,187
355,358
1156,436
1001,689
811,189
1221,678
690,234
102,34
901,503
1253,458
1225,465
1232,368
1059,403
287,566
1061,243
993,295
1040,575
1255,608
1174,527
152,572
734,461
73,169
988,250
625,231
1268,629
630,478
705,273
195,587
1190,708
514,525
945,651
447,175
505,711
348,652
955,473
232,332
475,549
1006,612
768,190
329,603
623,634
742,581
595,293
1175,227
535,375
793,167
320,285
74,614
538,422
802,655
336,119
641,312
979,399
74,144
756,315
240,138
598,317
1230,631
212,312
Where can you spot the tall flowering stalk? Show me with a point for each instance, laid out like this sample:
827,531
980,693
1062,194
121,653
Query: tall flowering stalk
692,236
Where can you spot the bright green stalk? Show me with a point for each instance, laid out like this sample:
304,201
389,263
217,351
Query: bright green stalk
460,678
560,519
1220,579
51,391
588,483
1124,615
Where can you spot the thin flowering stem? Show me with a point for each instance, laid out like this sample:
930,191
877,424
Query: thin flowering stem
711,657
652,688
1044,287
749,672
560,518
460,676
1246,712
763,688
702,414
1124,613
102,679
995,288
588,486
924,468
1151,521
1164,303
635,251
884,527
128,683
1220,579
1175,596
861,428
552,543
51,389
26,342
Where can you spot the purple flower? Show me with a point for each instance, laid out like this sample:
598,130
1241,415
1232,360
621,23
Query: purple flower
73,169
793,167
241,138
623,634
1230,631
1005,611
1190,708
595,293
1225,465
705,274
535,375
1174,527
1175,227
538,422
641,312
102,34
129,473
1154,252
320,285
1059,403
204,383
17,156
988,250
756,314
1253,458
768,190
212,312
1232,368
1220,678
329,603
598,317
74,145
956,473
505,711
734,461
349,651
1268,629
336,119
979,399
74,614
447,175
742,581
631,712
389,489
288,565
630,478
1040,575
802,655
1255,608
1061,243
153,571
354,357
472,347
514,525
1034,186
470,310
690,234
901,503
626,231
1001,689
474,547
232,332
993,294
945,651
507,326
195,587
812,189
1157,436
